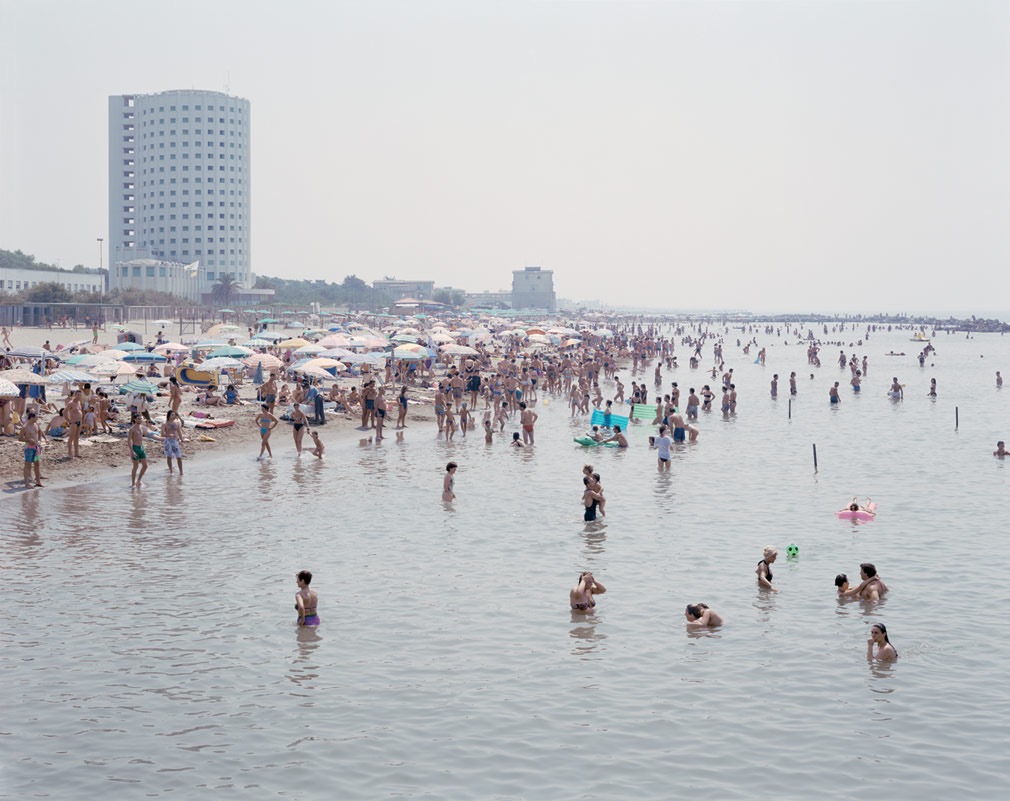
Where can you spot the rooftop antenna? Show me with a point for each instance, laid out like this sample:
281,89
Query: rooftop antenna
227,84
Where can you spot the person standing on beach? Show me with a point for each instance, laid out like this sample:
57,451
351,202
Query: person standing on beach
135,441
267,423
401,408
792,383
527,418
300,424
896,391
449,482
174,394
999,380
380,412
6,337
775,386
268,392
171,432
75,419
32,438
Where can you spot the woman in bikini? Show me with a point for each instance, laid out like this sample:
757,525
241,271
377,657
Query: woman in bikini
306,600
267,423
580,597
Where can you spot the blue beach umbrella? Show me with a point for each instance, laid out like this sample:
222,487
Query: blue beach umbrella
144,356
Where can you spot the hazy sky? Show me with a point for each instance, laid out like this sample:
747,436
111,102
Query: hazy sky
828,156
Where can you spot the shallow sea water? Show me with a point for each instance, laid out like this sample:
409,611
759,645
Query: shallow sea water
149,651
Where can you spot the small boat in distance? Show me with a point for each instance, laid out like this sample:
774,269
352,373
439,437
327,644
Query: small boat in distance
920,336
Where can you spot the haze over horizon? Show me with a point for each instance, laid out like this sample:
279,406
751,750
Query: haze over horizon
780,156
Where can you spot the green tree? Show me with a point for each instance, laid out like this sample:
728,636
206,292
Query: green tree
49,292
225,289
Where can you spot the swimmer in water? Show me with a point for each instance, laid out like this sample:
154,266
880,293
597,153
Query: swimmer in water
842,583
580,597
764,570
1000,451
871,587
855,507
619,438
885,651
306,600
700,616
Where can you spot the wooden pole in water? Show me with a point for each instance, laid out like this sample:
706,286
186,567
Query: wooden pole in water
956,420
790,408
815,457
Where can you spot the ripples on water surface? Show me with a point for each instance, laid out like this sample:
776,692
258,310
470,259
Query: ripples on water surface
149,651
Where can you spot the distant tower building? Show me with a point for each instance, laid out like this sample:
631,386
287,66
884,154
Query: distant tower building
179,189
533,288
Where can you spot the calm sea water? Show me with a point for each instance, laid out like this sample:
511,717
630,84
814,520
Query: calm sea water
149,649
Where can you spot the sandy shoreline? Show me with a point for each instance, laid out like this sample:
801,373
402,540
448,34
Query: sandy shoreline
107,455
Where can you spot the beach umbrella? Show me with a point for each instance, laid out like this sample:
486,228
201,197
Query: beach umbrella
138,385
268,361
309,350
273,336
19,375
326,364
535,331
161,323
31,352
315,372
267,321
410,352
233,351
227,311
222,328
128,346
73,376
112,353
208,345
541,339
293,343
118,327
460,350
89,359
171,347
219,363
113,368
8,390
257,343
412,338
144,357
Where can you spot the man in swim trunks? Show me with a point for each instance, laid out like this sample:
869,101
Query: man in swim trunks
32,437
269,393
1000,451
306,600
135,440
171,432
619,438
527,417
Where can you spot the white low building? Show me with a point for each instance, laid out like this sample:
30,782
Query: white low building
13,280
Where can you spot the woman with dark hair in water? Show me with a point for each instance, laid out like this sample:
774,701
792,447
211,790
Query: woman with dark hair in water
580,597
885,651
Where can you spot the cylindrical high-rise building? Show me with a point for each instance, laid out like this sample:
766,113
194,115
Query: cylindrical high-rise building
179,190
